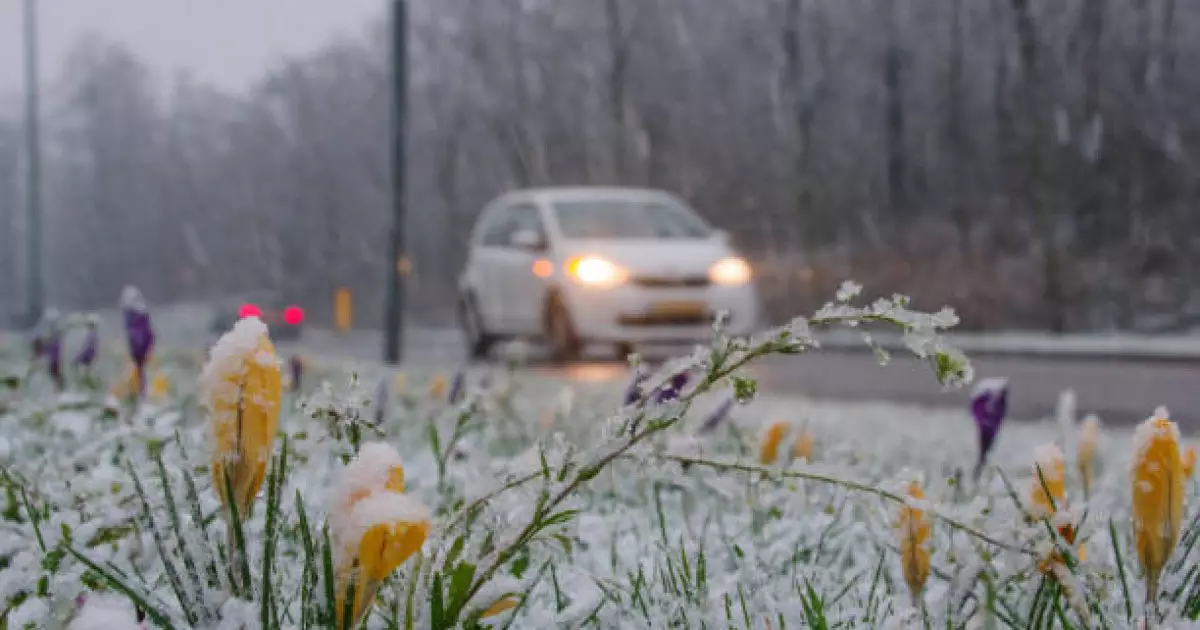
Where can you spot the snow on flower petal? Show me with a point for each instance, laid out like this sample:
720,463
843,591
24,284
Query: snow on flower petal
1157,481
241,387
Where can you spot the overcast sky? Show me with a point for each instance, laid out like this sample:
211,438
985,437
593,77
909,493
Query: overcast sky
225,42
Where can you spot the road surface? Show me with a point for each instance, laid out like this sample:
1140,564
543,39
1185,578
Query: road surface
1121,392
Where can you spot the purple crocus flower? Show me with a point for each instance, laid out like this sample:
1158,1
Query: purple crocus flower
457,384
633,391
53,351
87,352
989,403
670,390
139,332
717,416
296,365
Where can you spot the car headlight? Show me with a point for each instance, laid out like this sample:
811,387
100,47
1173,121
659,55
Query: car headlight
729,271
594,271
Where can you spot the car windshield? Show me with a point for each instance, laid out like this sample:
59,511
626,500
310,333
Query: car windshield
624,219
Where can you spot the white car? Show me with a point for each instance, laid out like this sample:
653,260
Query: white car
599,265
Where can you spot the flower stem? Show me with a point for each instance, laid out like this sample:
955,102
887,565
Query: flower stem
845,483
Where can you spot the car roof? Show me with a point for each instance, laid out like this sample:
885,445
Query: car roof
550,195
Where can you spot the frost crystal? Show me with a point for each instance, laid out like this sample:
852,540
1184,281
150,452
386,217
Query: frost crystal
848,291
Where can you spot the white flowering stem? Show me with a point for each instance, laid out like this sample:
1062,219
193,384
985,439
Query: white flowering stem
465,512
725,359
845,483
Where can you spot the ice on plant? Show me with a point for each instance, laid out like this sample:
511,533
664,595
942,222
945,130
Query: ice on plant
990,385
1047,458
1151,430
228,357
639,539
369,470
132,300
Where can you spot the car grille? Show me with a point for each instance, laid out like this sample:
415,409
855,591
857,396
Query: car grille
664,282
665,320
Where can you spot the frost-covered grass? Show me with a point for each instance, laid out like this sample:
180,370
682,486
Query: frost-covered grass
577,509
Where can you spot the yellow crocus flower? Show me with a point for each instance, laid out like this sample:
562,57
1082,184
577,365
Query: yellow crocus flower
1157,483
386,546
768,452
128,385
241,386
805,446
1048,489
437,387
395,528
508,602
376,527
160,387
914,531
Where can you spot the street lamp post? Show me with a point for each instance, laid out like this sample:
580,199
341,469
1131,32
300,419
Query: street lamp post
34,292
397,263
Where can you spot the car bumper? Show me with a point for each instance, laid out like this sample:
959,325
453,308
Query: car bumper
637,314
285,332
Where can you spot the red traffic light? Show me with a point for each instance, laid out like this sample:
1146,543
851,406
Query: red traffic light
293,315
249,310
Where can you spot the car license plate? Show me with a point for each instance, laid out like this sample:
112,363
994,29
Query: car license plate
679,309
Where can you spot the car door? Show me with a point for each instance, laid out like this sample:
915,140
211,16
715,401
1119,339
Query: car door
523,291
483,269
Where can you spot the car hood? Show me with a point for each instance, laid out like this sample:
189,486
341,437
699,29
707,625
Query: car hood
655,257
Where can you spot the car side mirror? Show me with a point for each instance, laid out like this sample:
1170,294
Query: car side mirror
527,240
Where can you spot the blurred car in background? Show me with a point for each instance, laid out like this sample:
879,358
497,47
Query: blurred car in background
284,319
599,265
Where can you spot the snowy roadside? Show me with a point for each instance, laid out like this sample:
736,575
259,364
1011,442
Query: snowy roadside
1099,347
189,324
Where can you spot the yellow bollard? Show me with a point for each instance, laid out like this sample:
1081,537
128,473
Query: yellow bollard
343,310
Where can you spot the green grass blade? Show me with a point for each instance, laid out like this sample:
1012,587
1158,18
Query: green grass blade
330,580
197,514
274,482
117,582
182,549
1112,533
160,545
309,575
237,552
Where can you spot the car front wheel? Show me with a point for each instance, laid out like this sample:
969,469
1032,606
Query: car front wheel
565,344
479,342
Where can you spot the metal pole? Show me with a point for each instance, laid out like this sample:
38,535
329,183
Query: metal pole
394,315
34,293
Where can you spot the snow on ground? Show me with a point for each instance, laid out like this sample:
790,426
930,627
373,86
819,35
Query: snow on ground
688,529
1185,345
